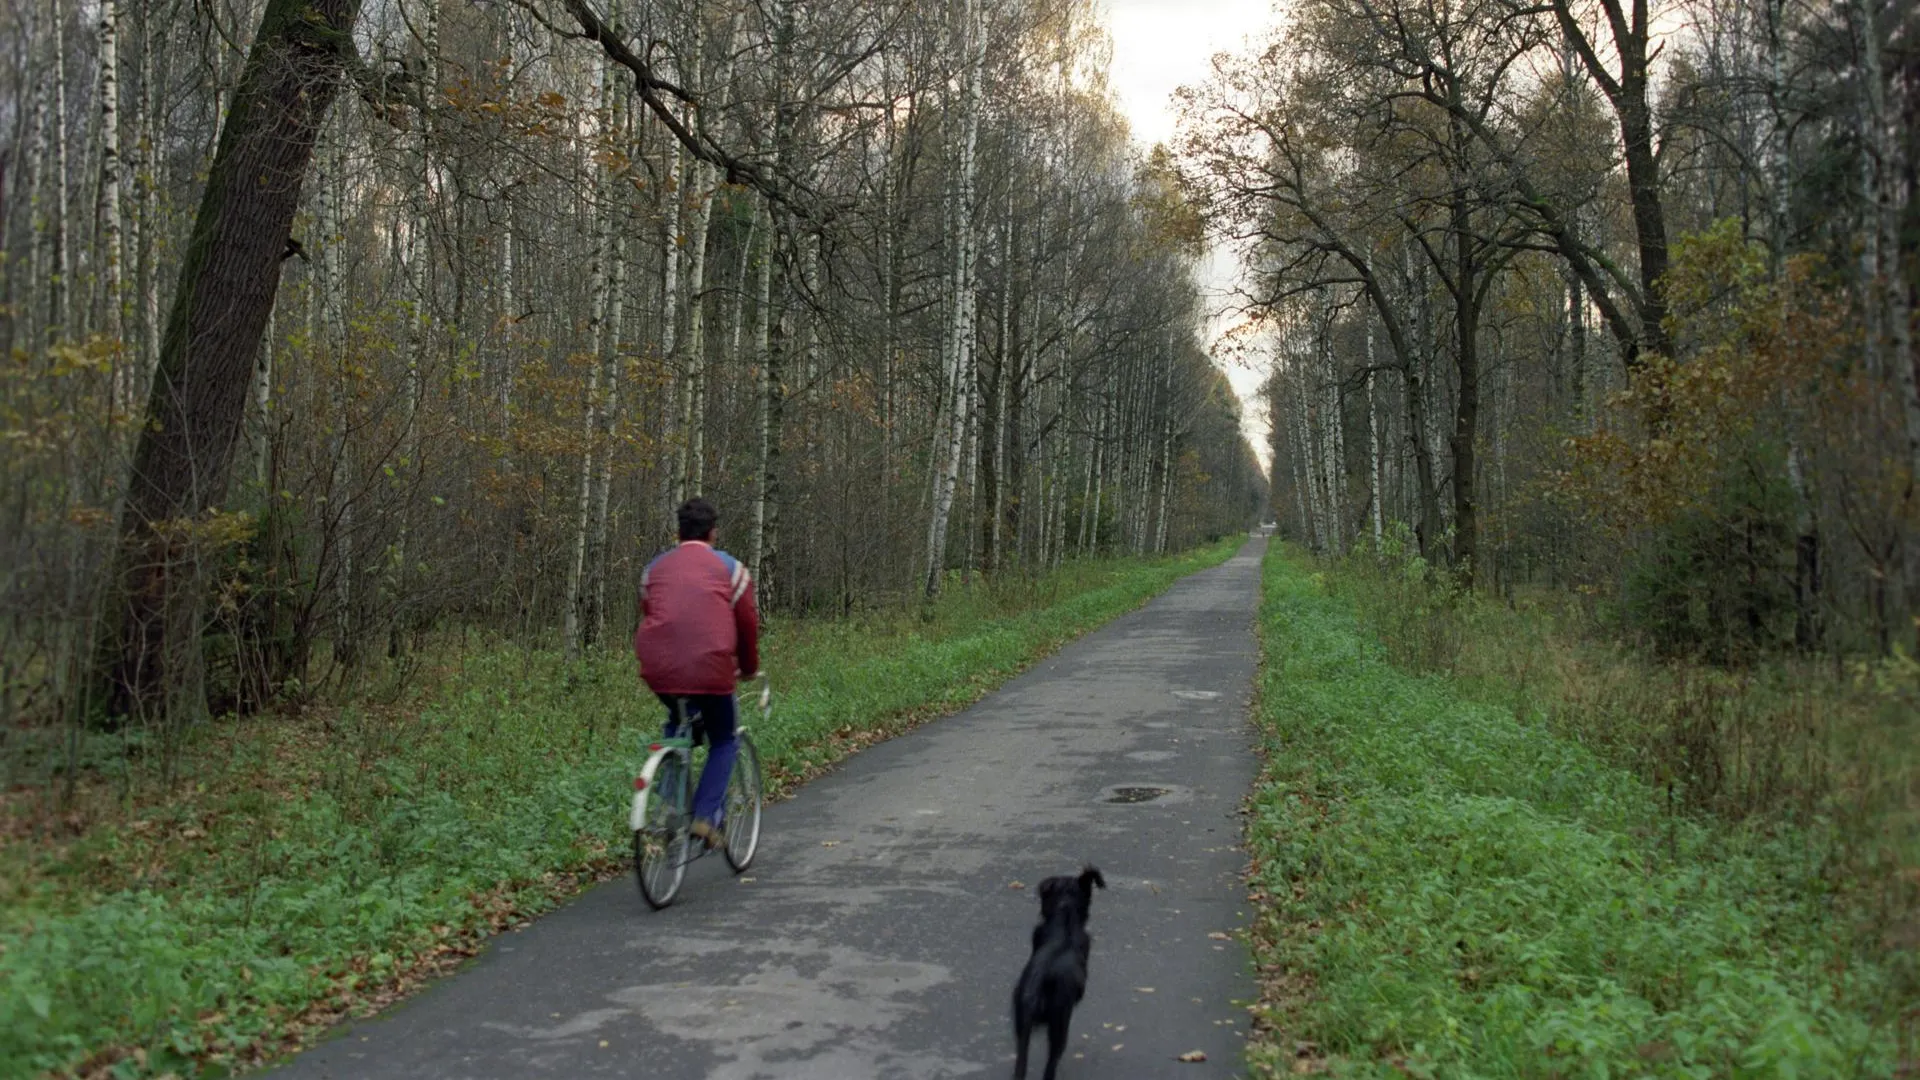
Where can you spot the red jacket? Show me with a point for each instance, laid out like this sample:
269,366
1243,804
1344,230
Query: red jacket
699,630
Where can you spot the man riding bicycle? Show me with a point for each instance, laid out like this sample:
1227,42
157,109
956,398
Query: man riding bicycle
699,632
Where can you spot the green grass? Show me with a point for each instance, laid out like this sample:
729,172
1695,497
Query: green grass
1450,888
317,865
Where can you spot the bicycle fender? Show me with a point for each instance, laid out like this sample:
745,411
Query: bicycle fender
638,816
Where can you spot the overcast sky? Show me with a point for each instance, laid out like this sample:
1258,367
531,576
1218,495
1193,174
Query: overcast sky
1158,46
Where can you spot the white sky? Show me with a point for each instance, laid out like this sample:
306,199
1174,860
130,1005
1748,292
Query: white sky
1158,46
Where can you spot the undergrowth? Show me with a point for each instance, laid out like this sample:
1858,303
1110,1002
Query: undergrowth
313,866
1450,886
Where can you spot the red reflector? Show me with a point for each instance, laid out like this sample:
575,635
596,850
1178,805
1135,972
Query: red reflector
639,783
656,748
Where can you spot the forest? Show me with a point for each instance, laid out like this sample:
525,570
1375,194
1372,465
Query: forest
885,281
1613,296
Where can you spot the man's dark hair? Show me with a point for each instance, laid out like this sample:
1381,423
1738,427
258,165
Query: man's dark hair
696,519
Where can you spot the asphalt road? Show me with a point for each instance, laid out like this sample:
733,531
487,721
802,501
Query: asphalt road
881,929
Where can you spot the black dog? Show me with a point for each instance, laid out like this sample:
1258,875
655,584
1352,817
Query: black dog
1056,973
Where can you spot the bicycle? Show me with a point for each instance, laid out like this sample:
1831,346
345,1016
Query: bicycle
662,815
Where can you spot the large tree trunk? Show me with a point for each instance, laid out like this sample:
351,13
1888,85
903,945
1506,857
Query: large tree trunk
1649,217
1627,90
227,284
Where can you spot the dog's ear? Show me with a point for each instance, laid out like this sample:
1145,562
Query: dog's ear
1091,874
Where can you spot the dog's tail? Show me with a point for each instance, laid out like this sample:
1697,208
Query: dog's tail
1090,877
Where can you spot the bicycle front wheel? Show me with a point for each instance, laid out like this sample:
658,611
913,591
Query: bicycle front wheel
744,798
660,843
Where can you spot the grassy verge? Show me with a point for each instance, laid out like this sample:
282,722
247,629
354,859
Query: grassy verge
1449,886
315,866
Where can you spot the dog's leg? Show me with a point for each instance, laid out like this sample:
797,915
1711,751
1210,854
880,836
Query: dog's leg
1056,1041
1022,1035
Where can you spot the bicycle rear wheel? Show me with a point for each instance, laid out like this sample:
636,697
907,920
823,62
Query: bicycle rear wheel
660,843
744,798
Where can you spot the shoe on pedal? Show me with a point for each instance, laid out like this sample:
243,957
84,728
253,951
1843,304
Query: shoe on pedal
712,834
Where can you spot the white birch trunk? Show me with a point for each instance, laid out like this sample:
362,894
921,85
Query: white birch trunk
695,421
1294,426
766,387
1003,390
1887,279
420,321
1305,409
147,220
509,320
260,430
1166,456
573,621
1166,484
593,625
1334,443
1099,479
1064,450
1082,538
810,348
951,443
970,457
334,321
62,305
670,300
113,292
1376,466
35,324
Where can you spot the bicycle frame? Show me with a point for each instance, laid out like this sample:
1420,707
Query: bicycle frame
659,749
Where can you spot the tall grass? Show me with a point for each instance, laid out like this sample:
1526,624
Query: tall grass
1452,884
1831,748
317,864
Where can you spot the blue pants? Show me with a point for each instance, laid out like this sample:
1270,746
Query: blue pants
716,715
